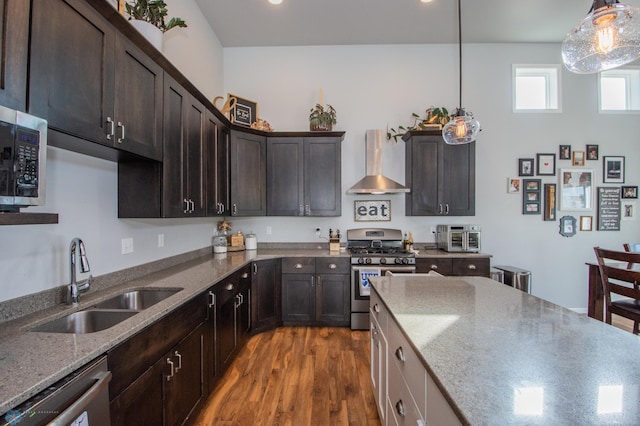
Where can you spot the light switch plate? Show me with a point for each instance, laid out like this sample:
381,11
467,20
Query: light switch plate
127,245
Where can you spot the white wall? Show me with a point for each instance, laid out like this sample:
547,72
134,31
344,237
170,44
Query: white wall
380,86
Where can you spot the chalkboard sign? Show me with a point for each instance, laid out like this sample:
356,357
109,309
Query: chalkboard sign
608,209
244,111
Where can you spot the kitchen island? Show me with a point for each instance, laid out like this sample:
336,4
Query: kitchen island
500,356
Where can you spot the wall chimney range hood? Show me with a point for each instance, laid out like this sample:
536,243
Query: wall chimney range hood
374,182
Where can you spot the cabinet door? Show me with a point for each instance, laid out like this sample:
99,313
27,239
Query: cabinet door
333,299
217,167
138,102
193,156
459,179
14,42
298,299
378,353
226,332
441,265
248,174
266,299
183,387
474,266
422,176
71,79
285,177
322,177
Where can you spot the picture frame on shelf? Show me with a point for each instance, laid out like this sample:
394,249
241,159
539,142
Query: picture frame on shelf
513,185
576,189
549,201
525,166
546,164
577,159
592,152
629,192
244,112
564,152
586,223
567,226
613,169
531,196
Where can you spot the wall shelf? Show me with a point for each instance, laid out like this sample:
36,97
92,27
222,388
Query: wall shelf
28,218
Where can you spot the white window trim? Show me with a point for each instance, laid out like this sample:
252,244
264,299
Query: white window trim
557,67
628,97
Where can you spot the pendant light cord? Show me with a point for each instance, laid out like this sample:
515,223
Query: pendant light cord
460,53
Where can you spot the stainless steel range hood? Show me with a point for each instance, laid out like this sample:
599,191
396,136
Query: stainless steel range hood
375,182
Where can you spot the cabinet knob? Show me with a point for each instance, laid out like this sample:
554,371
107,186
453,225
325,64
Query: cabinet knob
245,275
229,287
298,266
400,408
376,308
434,267
400,354
332,266
472,267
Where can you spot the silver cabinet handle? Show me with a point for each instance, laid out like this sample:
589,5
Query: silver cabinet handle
235,209
74,410
229,287
307,210
212,299
312,281
186,205
177,354
434,267
472,267
332,266
172,369
193,206
298,266
439,208
400,408
255,269
301,210
121,138
376,308
400,354
446,208
112,132
245,275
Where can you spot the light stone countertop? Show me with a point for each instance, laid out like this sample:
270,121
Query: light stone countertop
502,356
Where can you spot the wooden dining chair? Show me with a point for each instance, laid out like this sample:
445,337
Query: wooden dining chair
618,279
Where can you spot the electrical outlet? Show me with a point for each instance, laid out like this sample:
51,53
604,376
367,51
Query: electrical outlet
127,245
160,240
269,230
433,229
318,232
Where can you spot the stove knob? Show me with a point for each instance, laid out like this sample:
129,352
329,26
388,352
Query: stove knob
398,261
405,261
360,260
383,260
368,261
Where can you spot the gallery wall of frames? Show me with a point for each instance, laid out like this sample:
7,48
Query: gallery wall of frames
568,182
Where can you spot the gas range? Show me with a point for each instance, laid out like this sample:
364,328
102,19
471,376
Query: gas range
378,246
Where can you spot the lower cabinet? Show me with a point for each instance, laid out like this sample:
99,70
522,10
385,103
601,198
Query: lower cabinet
315,291
158,374
266,298
457,266
378,352
233,298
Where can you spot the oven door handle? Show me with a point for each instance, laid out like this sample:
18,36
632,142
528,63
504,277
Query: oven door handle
79,405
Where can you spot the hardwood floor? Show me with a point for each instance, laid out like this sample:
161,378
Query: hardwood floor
296,376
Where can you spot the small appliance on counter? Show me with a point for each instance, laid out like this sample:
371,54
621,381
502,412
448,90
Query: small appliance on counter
458,238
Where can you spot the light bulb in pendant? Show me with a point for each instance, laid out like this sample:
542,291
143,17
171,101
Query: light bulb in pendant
461,127
606,38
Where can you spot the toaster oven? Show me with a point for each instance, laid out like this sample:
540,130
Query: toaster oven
458,238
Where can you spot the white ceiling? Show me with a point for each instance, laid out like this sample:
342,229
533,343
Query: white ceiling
240,23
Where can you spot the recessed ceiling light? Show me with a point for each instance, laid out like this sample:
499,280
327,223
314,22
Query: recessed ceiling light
426,1
275,1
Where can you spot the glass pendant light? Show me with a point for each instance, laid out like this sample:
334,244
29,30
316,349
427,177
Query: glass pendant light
463,128
607,38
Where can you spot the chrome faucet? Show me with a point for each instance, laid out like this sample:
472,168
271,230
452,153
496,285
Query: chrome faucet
75,288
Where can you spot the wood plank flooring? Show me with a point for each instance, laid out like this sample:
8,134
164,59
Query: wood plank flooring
296,376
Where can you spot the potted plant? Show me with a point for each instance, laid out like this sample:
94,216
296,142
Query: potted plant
435,118
321,119
149,17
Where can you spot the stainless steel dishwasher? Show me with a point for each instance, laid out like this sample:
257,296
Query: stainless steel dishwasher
80,399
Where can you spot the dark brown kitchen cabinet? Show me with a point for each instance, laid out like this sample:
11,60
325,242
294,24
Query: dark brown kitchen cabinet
266,299
158,374
183,178
91,82
248,155
14,42
233,298
304,176
455,266
217,139
441,176
315,291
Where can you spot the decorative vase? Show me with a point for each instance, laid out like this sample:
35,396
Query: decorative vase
320,127
149,31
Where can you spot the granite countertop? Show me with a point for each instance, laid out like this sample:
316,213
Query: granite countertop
502,356
32,361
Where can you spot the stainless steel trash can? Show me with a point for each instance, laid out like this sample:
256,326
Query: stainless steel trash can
497,274
517,278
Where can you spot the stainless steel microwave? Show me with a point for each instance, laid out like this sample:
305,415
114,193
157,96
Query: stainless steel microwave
23,154
458,238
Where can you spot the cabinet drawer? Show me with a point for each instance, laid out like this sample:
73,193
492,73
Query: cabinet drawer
402,409
299,265
332,265
476,266
402,355
378,311
441,265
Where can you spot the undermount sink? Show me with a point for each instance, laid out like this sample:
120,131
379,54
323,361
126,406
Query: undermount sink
87,321
137,300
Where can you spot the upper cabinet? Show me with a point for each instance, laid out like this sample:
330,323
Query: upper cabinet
14,38
217,141
248,157
90,82
441,177
304,176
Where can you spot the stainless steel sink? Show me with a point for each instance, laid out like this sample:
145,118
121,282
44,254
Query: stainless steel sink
87,321
137,300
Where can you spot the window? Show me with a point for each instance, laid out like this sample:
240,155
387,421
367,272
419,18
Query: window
619,90
536,88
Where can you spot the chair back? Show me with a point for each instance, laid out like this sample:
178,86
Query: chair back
616,273
631,248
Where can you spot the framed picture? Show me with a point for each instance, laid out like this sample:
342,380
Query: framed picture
565,152
609,208
531,196
372,211
546,164
567,226
576,189
586,223
592,152
577,159
629,192
613,169
513,185
549,201
628,210
243,112
525,167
